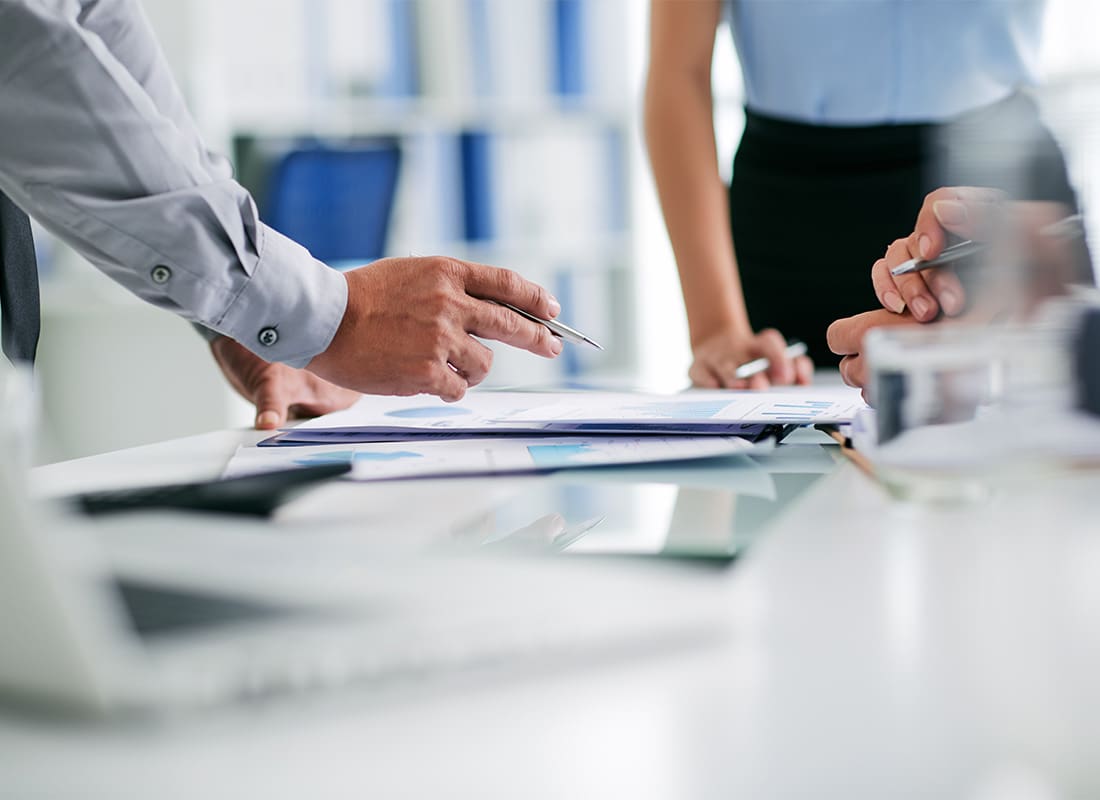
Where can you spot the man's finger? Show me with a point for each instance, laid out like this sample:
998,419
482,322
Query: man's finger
448,385
473,360
494,283
272,403
948,290
851,370
970,212
914,291
493,321
844,335
886,289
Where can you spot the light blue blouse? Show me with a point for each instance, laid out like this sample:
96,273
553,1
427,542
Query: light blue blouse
866,62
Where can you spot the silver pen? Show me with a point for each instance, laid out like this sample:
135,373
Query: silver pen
559,329
758,365
948,256
1070,227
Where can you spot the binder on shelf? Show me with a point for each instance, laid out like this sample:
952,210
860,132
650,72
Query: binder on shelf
401,79
476,148
570,69
335,200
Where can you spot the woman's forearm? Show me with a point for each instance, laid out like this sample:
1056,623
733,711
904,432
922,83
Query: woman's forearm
680,136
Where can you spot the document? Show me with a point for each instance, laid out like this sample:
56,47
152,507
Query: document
491,456
724,413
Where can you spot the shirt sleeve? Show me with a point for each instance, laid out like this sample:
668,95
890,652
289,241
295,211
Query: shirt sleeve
88,152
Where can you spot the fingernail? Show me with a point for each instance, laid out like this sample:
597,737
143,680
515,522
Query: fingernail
925,246
921,307
894,302
555,306
268,419
950,212
556,345
949,301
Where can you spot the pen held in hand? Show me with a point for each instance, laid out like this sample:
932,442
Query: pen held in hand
952,254
758,365
1070,227
559,329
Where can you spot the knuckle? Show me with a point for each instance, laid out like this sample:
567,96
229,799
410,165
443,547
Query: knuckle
510,322
447,268
485,362
510,281
543,337
437,330
770,337
443,275
439,299
899,247
424,372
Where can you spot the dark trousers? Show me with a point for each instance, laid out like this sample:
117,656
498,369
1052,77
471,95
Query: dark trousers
812,207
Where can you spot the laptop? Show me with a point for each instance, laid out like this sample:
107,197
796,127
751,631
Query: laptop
101,629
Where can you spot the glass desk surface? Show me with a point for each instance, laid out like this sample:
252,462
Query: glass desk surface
710,509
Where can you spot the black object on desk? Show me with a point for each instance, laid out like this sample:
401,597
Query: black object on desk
256,495
1087,358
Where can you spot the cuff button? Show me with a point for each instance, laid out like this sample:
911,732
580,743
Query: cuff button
160,274
268,337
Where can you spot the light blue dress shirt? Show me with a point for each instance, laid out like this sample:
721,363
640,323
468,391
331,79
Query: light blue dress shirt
868,62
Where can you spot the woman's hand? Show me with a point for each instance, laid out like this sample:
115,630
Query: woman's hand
718,356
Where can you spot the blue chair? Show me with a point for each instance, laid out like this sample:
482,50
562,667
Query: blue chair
335,200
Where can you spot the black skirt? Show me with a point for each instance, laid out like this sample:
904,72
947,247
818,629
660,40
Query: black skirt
813,207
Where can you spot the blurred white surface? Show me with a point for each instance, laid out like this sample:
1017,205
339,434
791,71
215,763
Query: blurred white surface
877,650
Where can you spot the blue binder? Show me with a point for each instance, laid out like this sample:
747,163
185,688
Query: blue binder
335,200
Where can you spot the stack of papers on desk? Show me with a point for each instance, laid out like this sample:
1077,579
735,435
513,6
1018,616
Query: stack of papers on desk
493,433
511,455
697,413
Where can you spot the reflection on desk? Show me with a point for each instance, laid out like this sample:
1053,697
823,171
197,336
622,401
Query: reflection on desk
711,509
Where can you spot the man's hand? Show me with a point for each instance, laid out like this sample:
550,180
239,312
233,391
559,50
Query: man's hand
968,212
845,337
277,391
410,324
718,357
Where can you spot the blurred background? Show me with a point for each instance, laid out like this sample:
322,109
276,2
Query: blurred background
502,131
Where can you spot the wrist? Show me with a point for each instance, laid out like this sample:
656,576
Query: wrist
732,330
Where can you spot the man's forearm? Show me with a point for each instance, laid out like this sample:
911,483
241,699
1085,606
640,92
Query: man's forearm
680,134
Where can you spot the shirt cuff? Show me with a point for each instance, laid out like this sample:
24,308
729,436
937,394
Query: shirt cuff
291,306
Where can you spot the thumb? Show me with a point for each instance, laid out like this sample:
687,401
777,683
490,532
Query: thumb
271,404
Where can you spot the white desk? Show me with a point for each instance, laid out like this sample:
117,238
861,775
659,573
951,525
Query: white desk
876,650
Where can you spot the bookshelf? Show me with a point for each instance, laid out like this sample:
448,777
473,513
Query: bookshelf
550,89
516,119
